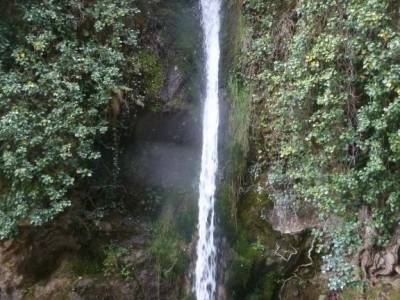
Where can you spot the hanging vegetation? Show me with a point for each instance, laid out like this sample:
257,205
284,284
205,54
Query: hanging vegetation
328,81
63,64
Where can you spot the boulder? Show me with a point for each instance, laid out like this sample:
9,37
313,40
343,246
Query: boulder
32,257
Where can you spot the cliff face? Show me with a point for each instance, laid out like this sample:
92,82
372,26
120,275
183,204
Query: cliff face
300,78
128,234
308,129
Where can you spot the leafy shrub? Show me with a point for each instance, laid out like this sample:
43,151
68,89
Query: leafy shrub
152,71
63,63
166,250
327,78
112,261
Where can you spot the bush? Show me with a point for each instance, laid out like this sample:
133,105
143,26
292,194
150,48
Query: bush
165,249
328,99
66,67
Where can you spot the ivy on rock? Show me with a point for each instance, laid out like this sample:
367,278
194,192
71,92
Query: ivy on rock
328,81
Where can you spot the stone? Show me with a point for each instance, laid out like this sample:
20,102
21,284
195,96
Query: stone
33,256
174,83
397,269
53,289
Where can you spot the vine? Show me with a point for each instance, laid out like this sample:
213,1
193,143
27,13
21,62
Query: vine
327,75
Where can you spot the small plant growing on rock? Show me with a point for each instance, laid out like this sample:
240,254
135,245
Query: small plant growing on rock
112,263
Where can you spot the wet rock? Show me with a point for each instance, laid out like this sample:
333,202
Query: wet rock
377,262
397,269
32,257
221,293
174,83
83,285
105,227
12,256
135,258
53,289
287,218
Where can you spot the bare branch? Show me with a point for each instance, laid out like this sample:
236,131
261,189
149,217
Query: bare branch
283,257
294,274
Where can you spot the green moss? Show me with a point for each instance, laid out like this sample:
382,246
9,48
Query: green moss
269,284
112,259
186,223
252,238
87,263
393,294
81,267
152,71
181,33
239,120
247,276
101,260
166,249
253,222
29,292
178,211
236,155
238,275
266,288
232,40
240,270
370,293
224,208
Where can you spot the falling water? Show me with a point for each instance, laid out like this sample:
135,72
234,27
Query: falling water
205,272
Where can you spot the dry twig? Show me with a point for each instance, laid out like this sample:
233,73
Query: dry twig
294,274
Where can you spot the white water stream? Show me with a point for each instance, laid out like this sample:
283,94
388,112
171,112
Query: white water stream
205,272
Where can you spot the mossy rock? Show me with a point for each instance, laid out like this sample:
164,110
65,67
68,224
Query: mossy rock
379,292
248,278
253,218
152,71
266,288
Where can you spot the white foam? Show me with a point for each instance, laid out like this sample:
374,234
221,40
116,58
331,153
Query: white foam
205,272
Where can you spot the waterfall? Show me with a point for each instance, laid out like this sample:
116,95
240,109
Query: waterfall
205,272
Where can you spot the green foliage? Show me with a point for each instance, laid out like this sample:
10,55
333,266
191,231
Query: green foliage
87,265
327,78
103,260
259,246
113,263
127,272
186,222
112,260
240,116
152,70
166,249
251,274
247,276
236,151
29,292
266,288
62,64
239,271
